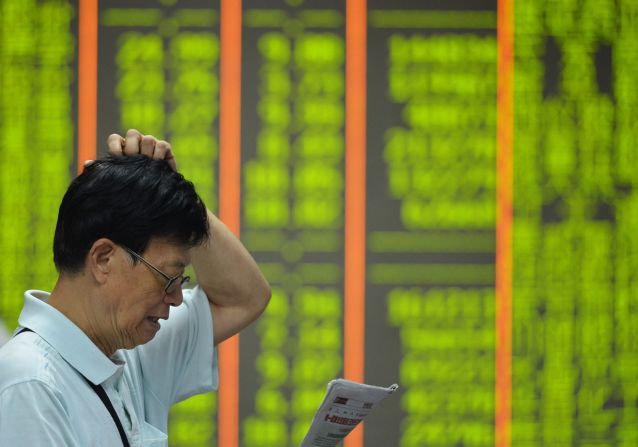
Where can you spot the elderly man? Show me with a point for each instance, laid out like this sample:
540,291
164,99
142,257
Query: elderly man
100,360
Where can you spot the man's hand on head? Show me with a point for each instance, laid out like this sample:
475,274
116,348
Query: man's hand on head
229,276
136,143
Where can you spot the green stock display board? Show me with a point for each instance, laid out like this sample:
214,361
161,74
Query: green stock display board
431,220
431,199
293,73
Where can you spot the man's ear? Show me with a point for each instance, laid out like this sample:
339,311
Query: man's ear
100,259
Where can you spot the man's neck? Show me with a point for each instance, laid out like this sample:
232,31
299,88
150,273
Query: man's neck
73,298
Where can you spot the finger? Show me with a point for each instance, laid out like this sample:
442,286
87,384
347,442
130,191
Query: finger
88,162
161,148
170,158
133,139
163,151
115,144
148,145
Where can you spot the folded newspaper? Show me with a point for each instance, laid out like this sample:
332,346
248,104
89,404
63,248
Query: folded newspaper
345,405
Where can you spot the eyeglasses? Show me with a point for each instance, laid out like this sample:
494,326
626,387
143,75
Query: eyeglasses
172,283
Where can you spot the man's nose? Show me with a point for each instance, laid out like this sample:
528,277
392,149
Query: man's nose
174,297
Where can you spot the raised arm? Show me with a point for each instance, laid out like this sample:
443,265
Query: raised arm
236,289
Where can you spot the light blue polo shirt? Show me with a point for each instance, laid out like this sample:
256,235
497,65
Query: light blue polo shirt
44,400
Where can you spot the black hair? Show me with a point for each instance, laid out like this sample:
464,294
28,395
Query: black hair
129,200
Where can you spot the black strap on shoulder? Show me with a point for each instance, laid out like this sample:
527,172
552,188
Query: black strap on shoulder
107,403
24,329
105,400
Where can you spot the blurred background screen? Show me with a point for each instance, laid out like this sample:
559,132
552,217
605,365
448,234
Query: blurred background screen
440,194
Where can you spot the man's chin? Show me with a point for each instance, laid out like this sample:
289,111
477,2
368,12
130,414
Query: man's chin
146,333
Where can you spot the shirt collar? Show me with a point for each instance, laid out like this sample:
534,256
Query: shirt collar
66,338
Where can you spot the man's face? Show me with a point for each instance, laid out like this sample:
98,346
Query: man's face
139,301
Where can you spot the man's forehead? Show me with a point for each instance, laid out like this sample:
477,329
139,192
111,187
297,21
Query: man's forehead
172,263
177,264
171,253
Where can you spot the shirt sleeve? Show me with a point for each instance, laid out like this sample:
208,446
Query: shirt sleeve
34,414
181,360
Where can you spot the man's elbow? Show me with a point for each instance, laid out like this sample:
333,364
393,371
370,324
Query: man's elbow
262,297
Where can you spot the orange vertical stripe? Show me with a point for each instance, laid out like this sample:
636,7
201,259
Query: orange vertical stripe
87,82
229,205
355,201
505,139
